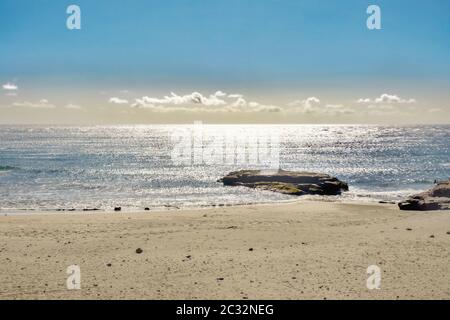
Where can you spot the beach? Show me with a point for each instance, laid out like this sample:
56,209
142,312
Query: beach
299,250
224,150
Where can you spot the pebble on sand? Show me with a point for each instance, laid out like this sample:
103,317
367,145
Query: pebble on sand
139,250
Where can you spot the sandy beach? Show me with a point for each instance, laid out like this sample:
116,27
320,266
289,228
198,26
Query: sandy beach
302,250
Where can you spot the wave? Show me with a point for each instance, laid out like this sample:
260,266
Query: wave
7,168
377,195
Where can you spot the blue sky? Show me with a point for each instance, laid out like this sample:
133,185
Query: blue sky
263,48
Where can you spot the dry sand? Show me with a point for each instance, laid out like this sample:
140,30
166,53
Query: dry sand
304,250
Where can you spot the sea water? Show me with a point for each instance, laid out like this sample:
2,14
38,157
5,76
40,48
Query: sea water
82,167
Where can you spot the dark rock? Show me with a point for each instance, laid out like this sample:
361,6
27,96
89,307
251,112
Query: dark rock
286,182
108,264
139,250
146,209
437,198
117,208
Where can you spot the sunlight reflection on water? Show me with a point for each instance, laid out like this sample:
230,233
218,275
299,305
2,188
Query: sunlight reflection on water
130,166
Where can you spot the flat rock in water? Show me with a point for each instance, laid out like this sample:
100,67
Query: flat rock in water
437,198
286,182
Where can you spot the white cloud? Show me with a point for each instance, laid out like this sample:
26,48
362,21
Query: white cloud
197,102
306,102
235,95
43,103
118,100
386,98
386,104
10,86
307,105
236,102
312,105
189,99
220,94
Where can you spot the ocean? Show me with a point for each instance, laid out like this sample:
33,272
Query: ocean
100,167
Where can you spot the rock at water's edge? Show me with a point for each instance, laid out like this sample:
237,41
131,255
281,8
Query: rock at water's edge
286,182
437,198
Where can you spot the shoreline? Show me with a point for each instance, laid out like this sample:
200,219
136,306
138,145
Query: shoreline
173,208
301,250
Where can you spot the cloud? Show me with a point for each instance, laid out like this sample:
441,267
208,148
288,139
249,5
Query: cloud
43,103
305,105
10,86
189,99
336,109
197,102
235,102
220,94
386,104
116,100
386,98
312,105
235,96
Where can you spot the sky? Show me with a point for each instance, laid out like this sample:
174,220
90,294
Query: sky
224,61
